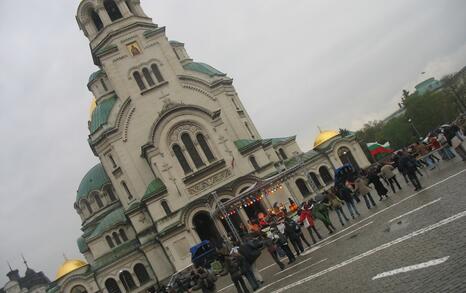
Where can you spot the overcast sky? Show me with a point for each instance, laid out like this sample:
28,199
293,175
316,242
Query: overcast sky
296,65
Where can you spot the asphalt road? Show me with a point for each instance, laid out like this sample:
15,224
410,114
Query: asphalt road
411,242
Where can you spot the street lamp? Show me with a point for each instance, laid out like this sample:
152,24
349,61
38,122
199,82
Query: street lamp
414,127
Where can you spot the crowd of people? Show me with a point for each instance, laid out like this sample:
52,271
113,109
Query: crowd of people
281,232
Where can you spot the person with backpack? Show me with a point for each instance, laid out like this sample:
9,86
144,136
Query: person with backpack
251,250
233,264
336,204
273,250
282,242
246,269
293,236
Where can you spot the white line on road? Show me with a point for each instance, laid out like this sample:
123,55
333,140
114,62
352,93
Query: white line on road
289,268
423,265
374,250
415,210
290,275
336,239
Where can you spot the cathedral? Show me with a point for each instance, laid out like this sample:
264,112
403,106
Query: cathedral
173,140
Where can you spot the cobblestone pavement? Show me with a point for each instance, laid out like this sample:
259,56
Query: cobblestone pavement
405,230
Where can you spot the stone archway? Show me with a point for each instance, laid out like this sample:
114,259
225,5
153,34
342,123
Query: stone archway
346,157
205,228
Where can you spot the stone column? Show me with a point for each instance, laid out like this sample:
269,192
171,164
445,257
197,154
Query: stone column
137,8
89,27
104,17
123,8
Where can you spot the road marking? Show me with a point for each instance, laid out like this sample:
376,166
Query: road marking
288,268
423,265
290,275
393,205
324,242
415,210
336,239
372,251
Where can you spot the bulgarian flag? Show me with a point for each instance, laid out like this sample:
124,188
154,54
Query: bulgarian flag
378,151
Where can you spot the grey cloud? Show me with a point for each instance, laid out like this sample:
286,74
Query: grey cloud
296,65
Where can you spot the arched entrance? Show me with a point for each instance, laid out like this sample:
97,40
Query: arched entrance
205,228
235,219
346,157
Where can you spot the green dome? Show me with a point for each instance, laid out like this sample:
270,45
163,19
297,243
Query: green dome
95,75
203,68
101,113
95,179
113,219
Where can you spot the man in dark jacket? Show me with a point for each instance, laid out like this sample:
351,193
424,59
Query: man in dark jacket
408,165
344,193
292,234
251,250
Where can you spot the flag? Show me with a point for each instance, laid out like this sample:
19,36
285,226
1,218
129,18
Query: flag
379,151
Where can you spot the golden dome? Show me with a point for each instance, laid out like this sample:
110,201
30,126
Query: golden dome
325,136
69,266
92,107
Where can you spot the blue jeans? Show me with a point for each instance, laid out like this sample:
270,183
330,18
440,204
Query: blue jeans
369,200
352,208
341,215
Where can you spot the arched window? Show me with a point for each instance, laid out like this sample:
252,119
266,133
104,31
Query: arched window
249,130
109,190
148,77
346,157
116,238
98,200
325,175
78,289
181,159
283,154
112,286
138,79
112,10
130,6
127,281
104,86
192,151
302,187
123,235
316,180
125,187
96,20
156,71
165,207
254,163
141,273
109,241
205,147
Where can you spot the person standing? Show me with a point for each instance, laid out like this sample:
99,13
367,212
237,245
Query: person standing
306,218
336,204
374,179
320,211
251,250
360,186
293,236
455,140
272,249
345,194
283,243
387,172
233,264
408,164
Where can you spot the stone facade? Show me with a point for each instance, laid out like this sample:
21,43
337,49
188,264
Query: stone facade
168,132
